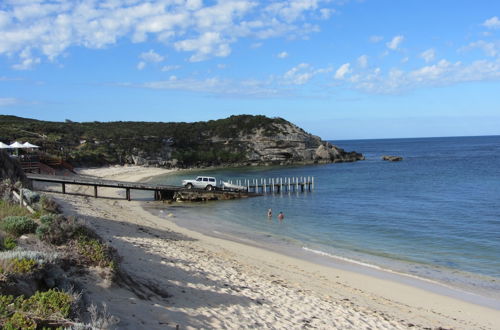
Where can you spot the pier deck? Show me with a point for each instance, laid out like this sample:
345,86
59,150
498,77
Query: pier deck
161,192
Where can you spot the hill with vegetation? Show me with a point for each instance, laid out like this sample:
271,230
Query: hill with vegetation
237,140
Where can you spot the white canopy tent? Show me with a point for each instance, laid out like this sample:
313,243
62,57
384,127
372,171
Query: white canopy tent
17,145
29,145
4,146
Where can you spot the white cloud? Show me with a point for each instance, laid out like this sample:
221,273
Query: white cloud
302,74
376,39
206,45
282,55
151,56
8,102
299,74
489,48
215,86
363,61
443,73
492,23
141,65
342,71
395,42
27,60
168,68
47,28
428,55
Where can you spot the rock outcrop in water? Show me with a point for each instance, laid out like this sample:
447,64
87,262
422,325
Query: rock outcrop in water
392,158
234,141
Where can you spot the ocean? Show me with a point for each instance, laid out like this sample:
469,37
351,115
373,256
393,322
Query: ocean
434,216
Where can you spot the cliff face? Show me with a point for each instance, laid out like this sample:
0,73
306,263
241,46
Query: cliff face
288,145
237,140
282,144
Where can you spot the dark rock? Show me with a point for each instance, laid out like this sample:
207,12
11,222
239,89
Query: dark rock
392,158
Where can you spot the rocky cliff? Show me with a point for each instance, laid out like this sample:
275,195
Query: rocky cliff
237,140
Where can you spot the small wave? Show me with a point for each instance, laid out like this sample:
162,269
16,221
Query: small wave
326,254
387,270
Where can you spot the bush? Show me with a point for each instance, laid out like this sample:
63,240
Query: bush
16,265
49,205
51,306
95,252
8,244
58,229
47,219
18,225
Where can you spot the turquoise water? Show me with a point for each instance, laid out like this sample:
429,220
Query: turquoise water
435,215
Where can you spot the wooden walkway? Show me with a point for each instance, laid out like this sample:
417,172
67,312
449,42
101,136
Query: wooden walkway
161,192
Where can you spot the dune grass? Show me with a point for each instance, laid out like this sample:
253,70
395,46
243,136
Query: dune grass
9,209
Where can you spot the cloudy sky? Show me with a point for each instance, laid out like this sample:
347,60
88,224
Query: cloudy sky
340,69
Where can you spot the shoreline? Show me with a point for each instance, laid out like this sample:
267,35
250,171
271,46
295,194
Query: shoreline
380,299
344,263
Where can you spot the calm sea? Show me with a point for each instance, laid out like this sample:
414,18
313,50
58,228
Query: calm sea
435,215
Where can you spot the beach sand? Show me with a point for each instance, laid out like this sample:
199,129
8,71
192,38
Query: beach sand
180,277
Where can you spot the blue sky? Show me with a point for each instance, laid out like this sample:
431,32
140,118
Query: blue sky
339,69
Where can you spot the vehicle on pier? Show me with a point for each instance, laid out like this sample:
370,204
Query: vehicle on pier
201,182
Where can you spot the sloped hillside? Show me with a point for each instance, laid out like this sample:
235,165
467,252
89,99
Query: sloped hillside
237,140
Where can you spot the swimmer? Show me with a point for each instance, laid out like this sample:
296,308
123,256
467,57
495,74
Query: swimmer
269,213
281,216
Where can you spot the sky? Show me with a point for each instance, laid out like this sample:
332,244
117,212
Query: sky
339,69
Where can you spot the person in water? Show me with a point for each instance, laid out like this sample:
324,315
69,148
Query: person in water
281,216
269,213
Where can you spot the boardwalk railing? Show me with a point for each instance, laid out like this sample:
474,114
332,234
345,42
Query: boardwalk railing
276,185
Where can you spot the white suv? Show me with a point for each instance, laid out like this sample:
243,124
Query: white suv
201,182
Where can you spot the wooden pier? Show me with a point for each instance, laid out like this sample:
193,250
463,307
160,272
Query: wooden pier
276,185
250,187
160,192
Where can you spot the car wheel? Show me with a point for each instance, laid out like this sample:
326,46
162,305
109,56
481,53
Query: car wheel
189,186
209,188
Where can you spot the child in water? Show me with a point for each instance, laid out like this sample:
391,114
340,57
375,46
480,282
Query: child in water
269,213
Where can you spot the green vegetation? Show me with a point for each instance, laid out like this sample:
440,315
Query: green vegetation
17,265
94,252
23,266
57,229
97,143
51,306
8,243
18,225
8,209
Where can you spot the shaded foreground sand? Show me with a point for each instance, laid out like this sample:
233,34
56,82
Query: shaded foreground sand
180,277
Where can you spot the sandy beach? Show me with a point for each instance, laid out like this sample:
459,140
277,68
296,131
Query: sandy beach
177,277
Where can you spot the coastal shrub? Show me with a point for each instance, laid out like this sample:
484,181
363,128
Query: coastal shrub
49,304
38,256
58,229
49,205
18,225
43,308
19,321
16,265
8,243
94,252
